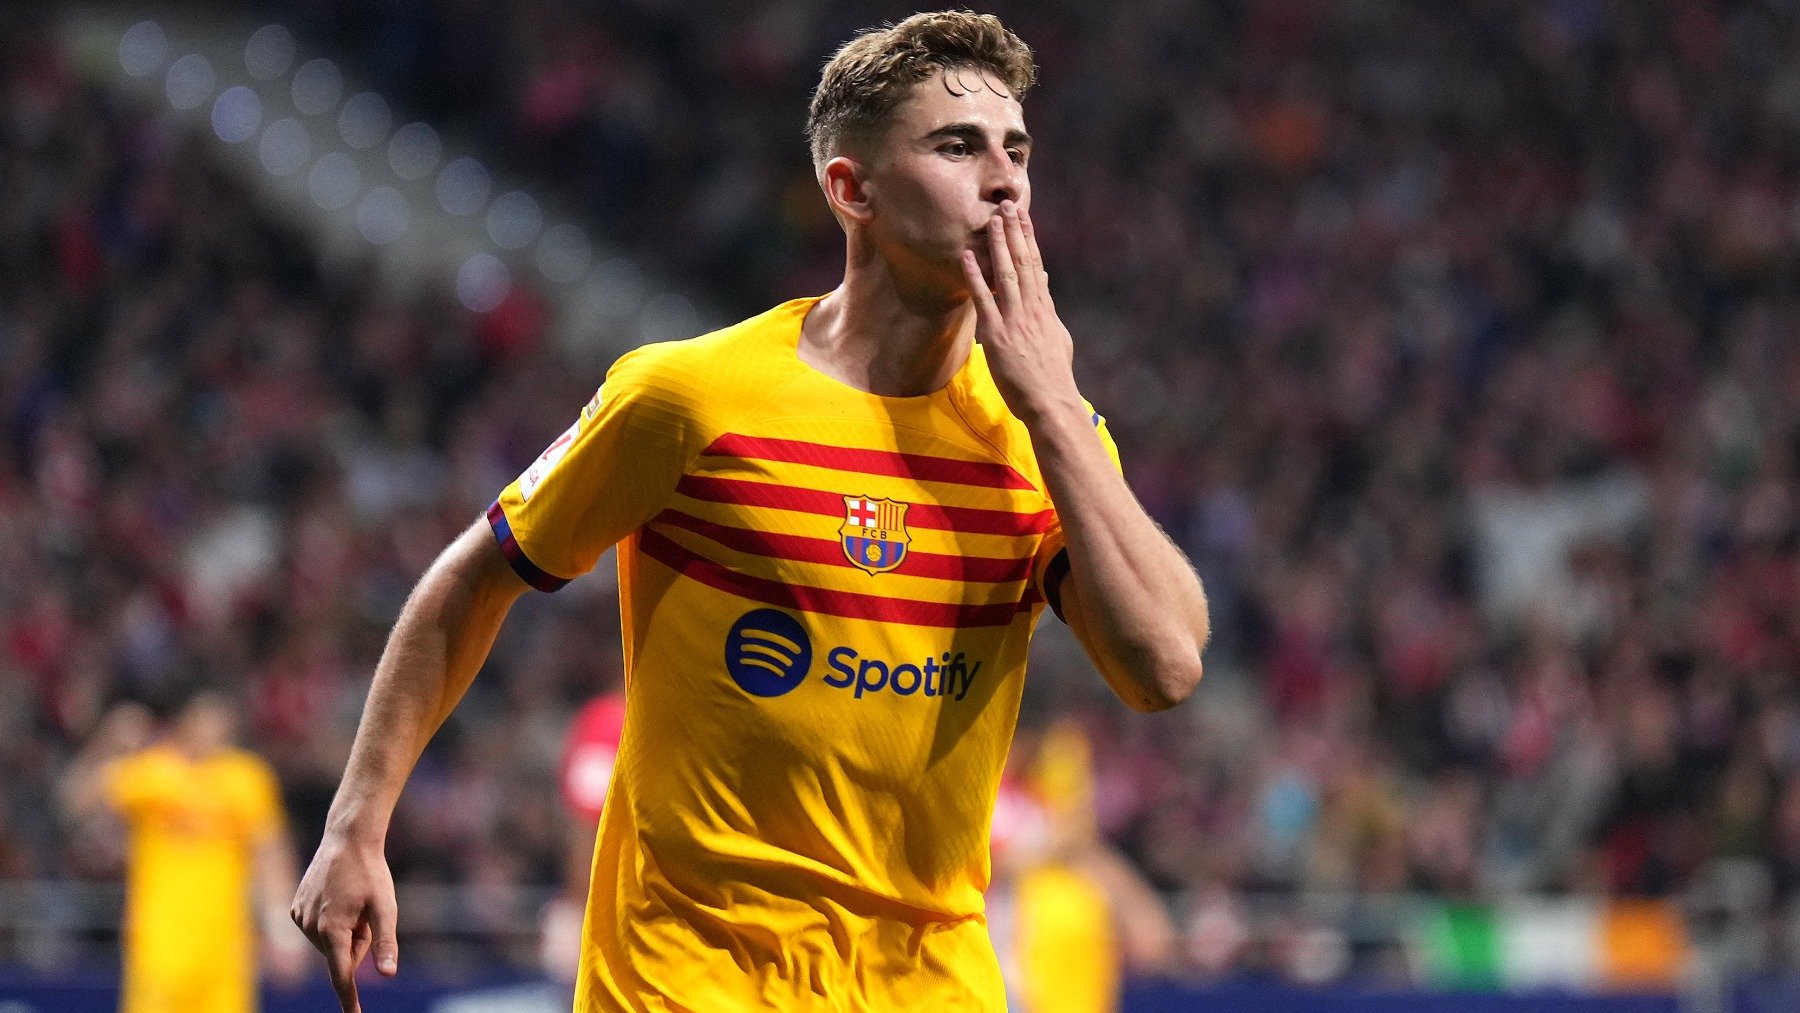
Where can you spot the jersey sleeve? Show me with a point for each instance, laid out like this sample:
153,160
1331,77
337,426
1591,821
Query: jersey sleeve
608,473
1051,564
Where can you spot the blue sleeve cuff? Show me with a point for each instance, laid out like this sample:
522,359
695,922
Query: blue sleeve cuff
522,565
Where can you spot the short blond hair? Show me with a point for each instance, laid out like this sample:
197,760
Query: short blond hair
870,75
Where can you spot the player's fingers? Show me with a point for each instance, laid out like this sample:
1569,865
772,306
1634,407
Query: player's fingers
382,918
340,963
986,313
360,941
1037,255
1024,253
1006,273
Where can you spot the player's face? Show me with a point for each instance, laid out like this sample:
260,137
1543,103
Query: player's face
206,725
955,149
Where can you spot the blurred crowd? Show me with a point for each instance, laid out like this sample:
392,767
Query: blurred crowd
1456,344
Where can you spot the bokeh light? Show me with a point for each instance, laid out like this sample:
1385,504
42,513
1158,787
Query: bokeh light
143,48
514,220
482,283
269,53
414,151
364,120
236,114
318,85
383,215
334,181
190,81
462,188
285,147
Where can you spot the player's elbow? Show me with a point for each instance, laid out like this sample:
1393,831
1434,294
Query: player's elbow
1169,680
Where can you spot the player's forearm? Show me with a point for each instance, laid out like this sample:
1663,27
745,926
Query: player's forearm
1144,618
276,877
276,872
81,793
440,641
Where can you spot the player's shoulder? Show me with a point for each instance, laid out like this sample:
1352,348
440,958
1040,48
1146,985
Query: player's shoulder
148,761
713,370
244,764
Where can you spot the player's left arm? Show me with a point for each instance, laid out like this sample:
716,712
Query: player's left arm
1129,595
286,951
92,783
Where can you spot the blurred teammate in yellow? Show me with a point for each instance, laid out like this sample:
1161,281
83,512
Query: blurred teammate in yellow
1077,915
206,855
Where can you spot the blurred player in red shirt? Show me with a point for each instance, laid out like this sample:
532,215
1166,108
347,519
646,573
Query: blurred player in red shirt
582,776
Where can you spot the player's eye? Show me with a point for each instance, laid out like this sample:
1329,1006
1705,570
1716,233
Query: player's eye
1018,156
956,148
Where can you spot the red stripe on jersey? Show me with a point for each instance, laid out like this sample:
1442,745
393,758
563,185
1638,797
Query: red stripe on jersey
968,520
824,601
924,467
984,569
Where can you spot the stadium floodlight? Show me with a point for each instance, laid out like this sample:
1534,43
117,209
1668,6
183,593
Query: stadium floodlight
269,53
564,253
383,215
143,48
414,151
514,220
482,283
318,85
285,147
334,181
190,81
364,120
236,114
462,187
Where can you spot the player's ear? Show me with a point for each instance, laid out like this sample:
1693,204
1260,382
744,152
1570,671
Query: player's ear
846,189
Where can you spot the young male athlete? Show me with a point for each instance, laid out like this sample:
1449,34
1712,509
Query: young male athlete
837,523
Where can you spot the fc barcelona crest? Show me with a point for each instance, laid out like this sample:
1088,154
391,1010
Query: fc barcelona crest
874,531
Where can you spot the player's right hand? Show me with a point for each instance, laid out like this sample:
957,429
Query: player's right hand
345,905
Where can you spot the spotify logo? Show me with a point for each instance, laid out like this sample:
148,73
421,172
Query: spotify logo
768,653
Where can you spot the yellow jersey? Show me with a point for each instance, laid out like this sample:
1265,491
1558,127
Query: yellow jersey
193,829
1068,956
826,598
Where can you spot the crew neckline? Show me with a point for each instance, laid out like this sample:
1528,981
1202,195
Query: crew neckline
803,306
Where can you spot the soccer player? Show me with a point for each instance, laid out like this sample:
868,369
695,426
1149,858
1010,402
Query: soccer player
206,853
837,523
1068,912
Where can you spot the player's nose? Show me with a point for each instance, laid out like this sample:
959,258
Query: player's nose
1003,179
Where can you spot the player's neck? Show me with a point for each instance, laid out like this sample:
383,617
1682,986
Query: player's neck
880,334
196,749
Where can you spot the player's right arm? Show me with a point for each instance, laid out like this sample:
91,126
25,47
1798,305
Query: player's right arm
345,903
92,784
611,471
